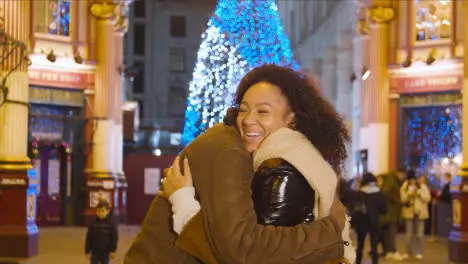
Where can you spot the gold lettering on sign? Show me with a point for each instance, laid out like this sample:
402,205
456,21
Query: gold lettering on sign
431,82
13,181
34,75
49,76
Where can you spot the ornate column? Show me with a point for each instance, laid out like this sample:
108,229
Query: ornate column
121,26
329,75
102,181
375,100
458,239
18,230
361,42
344,69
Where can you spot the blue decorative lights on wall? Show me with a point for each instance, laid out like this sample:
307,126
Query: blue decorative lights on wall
240,36
433,139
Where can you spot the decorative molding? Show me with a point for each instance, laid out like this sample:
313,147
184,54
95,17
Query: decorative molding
121,16
381,15
117,12
103,9
362,26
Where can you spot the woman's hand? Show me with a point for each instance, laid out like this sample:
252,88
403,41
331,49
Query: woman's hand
174,179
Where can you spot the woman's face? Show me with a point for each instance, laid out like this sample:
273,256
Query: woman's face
263,110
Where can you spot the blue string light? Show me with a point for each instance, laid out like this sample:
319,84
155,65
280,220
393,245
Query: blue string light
432,138
240,36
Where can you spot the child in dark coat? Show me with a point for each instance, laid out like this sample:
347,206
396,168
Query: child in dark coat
370,205
102,236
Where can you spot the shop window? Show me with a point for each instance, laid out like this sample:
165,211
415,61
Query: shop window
177,26
139,39
432,139
433,20
52,17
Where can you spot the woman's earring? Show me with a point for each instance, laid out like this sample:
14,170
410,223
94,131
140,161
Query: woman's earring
292,125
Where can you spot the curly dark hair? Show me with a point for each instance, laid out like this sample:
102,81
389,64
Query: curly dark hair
314,116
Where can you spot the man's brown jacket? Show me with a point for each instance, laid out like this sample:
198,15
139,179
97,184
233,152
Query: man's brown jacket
226,230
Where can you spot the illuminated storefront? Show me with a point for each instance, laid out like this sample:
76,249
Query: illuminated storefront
56,141
429,116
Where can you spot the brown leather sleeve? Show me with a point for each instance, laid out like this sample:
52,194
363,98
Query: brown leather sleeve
194,241
235,235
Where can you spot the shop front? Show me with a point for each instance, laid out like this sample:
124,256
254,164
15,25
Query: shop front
57,143
426,111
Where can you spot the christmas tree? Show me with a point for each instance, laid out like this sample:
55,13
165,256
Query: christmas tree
240,36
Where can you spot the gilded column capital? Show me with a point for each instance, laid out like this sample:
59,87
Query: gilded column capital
103,9
121,16
362,26
381,15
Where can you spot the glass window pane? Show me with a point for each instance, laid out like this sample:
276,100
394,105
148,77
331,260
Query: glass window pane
177,101
177,59
139,82
177,27
52,17
433,19
139,39
141,109
139,8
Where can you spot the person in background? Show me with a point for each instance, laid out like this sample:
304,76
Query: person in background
347,194
381,241
391,192
102,236
415,197
370,205
445,194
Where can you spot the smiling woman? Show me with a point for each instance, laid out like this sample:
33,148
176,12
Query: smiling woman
270,97
263,110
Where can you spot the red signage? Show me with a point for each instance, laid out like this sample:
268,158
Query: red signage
427,84
60,79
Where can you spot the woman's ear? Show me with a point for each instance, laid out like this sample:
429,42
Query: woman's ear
291,118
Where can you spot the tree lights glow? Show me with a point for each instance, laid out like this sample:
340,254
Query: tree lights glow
240,36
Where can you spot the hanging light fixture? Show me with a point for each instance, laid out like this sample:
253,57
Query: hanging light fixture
365,73
431,58
51,56
78,59
407,63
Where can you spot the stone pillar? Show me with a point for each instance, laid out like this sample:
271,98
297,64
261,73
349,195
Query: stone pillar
343,84
120,29
360,59
102,181
344,87
18,185
458,239
329,75
375,92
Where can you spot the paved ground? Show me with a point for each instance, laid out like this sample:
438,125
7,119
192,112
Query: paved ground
65,246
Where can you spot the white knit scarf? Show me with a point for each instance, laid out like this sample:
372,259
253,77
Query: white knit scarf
295,148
